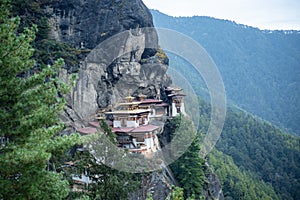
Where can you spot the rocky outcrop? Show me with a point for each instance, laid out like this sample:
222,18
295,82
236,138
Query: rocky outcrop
157,184
86,23
100,84
213,188
115,66
104,80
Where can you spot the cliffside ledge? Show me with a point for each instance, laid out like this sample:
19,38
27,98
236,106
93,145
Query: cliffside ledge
86,24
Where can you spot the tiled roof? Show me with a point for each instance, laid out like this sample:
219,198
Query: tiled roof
122,129
140,129
130,112
87,130
151,101
145,128
94,124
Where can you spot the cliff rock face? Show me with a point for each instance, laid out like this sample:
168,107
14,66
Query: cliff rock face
86,23
213,188
158,184
111,70
102,82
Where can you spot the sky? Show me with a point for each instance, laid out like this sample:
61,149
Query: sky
263,14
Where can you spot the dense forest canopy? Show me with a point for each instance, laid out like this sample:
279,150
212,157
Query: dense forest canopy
263,155
253,159
31,100
260,69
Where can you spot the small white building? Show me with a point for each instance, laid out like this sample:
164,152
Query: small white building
137,140
176,100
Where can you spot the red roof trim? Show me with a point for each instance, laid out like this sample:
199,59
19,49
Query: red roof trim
87,130
94,124
151,101
140,129
145,128
122,129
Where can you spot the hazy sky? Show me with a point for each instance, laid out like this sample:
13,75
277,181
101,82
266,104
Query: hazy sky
264,14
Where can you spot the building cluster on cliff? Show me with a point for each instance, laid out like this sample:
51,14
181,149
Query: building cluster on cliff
132,120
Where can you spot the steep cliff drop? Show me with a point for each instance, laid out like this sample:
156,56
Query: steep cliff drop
103,82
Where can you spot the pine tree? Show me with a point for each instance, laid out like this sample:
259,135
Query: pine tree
188,170
106,182
31,100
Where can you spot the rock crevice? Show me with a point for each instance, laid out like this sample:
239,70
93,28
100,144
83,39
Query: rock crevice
117,65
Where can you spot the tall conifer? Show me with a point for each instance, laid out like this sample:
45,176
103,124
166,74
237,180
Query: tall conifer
30,104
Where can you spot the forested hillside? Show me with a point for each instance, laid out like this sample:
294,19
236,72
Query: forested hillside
260,69
261,152
253,159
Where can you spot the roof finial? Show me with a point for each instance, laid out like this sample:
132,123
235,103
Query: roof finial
129,98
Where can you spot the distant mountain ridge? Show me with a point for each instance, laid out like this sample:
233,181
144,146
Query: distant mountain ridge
260,68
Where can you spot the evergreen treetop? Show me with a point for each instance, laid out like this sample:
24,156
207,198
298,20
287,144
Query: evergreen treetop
31,100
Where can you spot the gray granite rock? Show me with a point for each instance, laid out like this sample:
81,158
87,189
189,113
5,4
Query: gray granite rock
111,72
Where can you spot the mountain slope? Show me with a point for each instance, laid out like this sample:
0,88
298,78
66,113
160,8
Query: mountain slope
260,69
260,150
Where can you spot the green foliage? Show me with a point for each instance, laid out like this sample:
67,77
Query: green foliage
188,169
107,183
149,196
261,151
259,147
49,50
237,184
259,68
29,109
176,193
170,127
163,58
107,130
46,50
31,12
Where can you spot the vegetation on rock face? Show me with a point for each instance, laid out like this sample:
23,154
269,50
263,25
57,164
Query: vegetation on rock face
176,193
189,168
47,50
29,123
105,182
163,58
263,164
